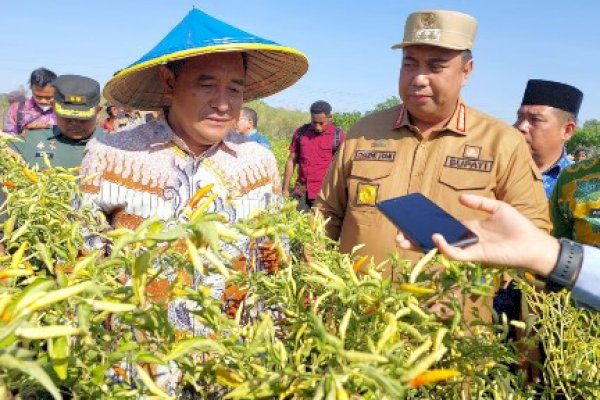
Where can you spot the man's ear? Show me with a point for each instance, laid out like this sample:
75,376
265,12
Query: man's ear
467,69
569,128
167,78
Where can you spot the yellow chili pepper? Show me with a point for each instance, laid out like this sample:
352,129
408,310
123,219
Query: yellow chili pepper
13,273
433,376
529,277
29,174
199,195
407,287
228,377
197,212
18,256
359,263
47,332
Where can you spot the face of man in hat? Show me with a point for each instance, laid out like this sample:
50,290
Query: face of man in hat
77,129
206,98
546,130
431,78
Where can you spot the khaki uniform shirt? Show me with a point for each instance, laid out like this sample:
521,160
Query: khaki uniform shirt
385,156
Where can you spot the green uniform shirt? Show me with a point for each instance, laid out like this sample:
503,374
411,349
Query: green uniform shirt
575,203
62,151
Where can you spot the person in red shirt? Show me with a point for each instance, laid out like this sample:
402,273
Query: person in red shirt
313,148
110,123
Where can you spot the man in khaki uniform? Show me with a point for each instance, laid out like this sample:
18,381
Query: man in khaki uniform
433,144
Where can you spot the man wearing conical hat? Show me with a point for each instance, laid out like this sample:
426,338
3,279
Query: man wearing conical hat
199,75
433,143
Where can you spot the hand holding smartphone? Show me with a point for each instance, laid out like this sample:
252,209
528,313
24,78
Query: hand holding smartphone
419,218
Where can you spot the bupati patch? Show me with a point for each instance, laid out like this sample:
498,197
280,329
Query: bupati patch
374,155
469,163
366,194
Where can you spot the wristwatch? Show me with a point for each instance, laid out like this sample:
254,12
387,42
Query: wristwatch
568,265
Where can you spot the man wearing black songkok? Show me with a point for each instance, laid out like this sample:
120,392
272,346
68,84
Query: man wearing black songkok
548,118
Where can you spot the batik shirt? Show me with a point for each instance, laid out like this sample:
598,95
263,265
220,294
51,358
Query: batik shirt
551,174
148,171
575,203
33,117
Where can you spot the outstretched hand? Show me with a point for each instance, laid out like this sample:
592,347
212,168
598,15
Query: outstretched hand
505,238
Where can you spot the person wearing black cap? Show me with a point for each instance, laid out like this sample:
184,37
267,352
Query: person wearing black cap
76,104
548,118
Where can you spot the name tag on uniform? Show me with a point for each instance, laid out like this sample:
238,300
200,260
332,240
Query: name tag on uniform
374,155
469,164
594,213
41,154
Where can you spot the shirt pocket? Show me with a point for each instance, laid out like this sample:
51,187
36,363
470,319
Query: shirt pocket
372,177
462,180
325,149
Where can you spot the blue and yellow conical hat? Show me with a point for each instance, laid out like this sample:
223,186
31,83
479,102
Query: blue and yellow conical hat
271,67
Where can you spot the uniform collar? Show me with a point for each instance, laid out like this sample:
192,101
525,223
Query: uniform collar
59,135
457,123
329,129
558,166
164,135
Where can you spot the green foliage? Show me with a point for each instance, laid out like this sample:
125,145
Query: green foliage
327,327
387,103
279,147
3,107
277,122
345,120
570,337
586,136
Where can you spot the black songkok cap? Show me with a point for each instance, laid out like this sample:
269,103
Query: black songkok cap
554,94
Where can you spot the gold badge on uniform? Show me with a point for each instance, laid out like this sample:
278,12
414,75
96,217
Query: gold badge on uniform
379,143
367,194
472,152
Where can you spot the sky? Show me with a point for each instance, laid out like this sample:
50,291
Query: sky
348,44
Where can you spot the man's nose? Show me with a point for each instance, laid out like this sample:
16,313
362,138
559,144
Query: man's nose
522,125
221,100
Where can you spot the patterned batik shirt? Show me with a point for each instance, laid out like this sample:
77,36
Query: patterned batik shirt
32,117
551,174
149,172
575,203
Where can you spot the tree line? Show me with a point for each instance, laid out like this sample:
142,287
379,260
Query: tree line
279,123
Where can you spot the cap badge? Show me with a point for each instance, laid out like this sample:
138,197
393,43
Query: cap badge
76,99
428,20
428,32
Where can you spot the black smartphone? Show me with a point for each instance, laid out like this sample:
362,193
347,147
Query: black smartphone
419,218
